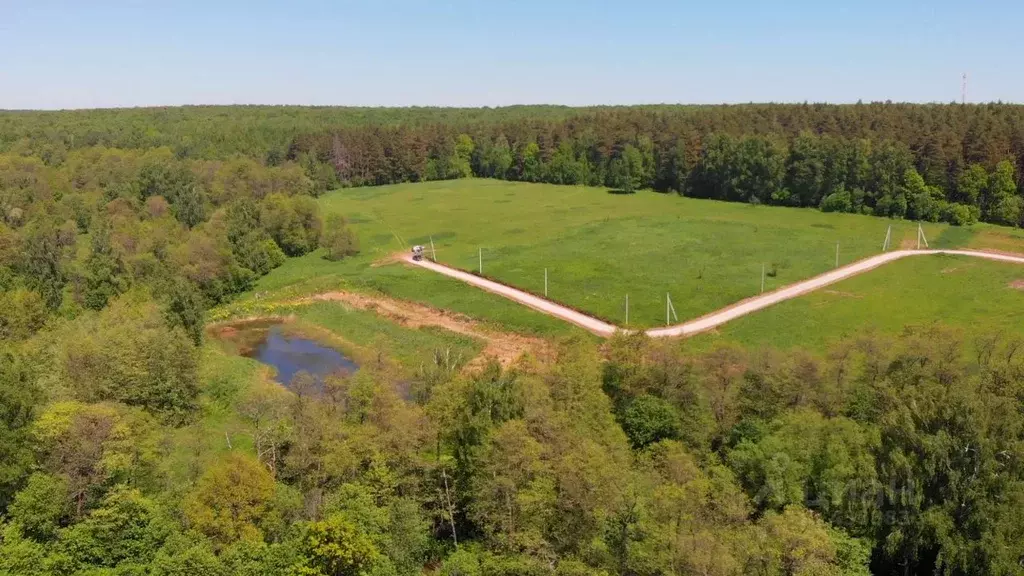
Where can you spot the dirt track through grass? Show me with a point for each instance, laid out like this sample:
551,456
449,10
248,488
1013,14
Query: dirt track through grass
600,247
714,319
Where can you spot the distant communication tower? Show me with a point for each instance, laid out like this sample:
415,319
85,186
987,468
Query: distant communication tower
963,90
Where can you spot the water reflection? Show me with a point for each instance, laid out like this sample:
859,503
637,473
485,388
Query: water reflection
287,353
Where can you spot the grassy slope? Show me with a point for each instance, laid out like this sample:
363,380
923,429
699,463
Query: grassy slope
313,274
964,292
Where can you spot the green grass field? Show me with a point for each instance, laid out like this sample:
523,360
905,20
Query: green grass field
971,294
598,247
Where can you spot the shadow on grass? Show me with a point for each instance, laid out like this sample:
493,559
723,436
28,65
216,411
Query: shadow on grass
621,192
955,237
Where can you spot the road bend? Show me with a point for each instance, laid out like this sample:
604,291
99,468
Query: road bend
707,321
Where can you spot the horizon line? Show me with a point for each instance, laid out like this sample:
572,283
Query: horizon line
524,105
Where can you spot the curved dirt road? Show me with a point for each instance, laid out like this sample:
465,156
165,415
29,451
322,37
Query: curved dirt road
708,321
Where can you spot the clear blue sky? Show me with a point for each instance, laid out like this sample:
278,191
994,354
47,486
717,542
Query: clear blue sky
103,53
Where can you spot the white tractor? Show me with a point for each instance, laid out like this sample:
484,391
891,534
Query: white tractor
417,252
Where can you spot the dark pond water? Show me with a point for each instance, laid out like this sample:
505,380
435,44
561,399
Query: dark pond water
293,354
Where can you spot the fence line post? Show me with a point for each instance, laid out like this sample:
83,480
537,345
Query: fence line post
762,278
481,257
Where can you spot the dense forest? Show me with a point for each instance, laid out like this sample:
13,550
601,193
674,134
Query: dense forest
954,163
120,228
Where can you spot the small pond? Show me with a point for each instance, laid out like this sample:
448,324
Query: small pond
289,354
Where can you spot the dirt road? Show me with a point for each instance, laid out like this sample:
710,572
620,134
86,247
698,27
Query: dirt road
714,319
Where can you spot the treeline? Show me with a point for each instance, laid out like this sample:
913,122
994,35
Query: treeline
262,133
907,444
888,456
952,163
106,221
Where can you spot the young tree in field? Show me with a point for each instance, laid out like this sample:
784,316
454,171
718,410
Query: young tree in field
840,200
339,240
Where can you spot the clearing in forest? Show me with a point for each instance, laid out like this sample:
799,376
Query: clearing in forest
599,247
